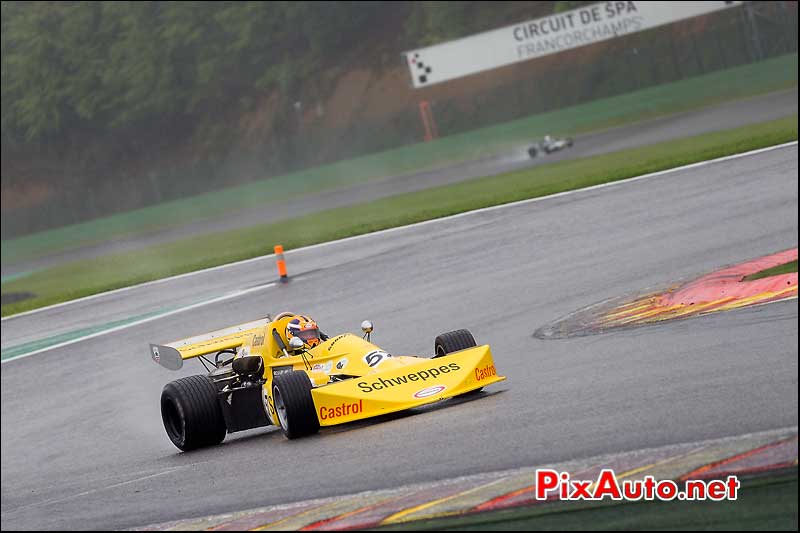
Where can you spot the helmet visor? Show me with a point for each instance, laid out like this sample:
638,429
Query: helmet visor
308,334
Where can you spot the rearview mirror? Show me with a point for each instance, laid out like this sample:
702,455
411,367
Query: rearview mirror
367,328
296,343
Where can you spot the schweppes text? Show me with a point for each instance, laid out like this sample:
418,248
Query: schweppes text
421,375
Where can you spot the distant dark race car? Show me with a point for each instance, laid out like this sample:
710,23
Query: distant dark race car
549,145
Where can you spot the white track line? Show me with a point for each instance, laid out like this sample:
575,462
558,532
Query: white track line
142,321
92,491
432,221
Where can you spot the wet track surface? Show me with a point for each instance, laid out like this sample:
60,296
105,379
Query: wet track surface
724,116
82,440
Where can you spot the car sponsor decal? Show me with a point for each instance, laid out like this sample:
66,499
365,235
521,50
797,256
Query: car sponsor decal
375,357
346,409
258,340
420,375
334,341
485,372
341,363
270,409
322,367
429,391
278,370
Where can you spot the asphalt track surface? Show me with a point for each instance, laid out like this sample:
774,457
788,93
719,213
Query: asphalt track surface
724,116
82,440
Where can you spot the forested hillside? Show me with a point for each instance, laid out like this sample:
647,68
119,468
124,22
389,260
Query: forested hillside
109,106
106,66
94,92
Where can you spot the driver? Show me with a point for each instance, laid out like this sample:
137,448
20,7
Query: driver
306,329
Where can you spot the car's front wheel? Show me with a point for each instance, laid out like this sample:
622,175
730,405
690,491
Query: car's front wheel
294,406
191,413
454,341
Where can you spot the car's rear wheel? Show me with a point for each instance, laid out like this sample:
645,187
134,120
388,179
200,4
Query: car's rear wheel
454,341
294,406
191,413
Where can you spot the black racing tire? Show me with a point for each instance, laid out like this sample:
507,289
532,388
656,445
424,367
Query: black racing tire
294,406
453,341
532,151
569,141
191,413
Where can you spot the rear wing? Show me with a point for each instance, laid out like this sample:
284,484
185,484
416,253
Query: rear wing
173,355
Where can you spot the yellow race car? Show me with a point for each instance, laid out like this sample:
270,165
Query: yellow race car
261,374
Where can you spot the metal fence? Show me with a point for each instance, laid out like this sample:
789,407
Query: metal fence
726,39
730,38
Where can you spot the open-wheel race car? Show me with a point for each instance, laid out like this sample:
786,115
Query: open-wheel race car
549,145
265,372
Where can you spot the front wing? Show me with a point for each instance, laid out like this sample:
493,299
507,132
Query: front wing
398,389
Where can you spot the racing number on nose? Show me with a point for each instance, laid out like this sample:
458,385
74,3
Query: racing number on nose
375,357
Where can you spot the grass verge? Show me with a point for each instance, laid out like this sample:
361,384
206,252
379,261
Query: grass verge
774,271
82,278
763,504
692,93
